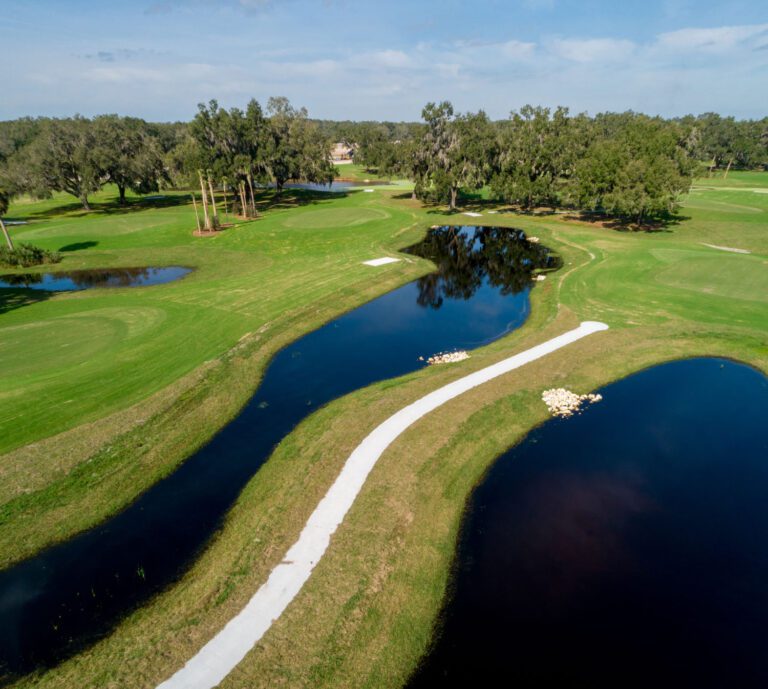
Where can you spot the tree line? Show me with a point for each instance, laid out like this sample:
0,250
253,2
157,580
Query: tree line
234,150
626,165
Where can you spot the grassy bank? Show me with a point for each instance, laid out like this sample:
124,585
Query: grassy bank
104,391
366,614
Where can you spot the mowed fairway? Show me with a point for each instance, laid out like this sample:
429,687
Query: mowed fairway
367,613
77,358
89,353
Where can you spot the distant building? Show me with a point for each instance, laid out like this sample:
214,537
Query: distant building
342,152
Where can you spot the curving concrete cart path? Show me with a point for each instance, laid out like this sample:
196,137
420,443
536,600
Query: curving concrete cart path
214,661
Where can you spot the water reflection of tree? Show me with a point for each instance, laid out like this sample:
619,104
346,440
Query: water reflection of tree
118,277
465,257
82,279
21,279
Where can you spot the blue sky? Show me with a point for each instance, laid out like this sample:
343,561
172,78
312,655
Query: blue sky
359,59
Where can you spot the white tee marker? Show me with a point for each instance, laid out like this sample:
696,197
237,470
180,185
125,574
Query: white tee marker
214,661
381,261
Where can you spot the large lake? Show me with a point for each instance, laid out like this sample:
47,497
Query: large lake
71,594
626,547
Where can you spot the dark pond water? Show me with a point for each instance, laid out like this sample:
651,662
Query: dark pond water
85,279
69,595
626,547
336,186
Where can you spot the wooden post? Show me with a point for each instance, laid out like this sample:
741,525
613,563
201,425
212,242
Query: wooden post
6,235
243,208
197,217
253,199
224,186
205,201
213,200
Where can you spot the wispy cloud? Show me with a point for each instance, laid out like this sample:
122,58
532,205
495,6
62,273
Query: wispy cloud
718,39
166,6
346,65
120,54
592,49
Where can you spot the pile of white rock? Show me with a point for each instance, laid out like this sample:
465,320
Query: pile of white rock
564,403
539,278
534,240
446,357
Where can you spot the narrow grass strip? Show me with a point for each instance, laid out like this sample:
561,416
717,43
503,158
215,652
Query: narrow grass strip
225,650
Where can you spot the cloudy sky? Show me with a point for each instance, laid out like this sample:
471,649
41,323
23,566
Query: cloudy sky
364,59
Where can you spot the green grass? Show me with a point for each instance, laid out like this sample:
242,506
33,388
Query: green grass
89,353
357,172
86,357
735,178
366,615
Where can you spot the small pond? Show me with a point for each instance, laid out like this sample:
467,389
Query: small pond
69,595
75,280
625,547
337,186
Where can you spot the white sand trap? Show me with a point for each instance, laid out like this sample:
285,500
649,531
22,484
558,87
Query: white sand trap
471,214
368,191
381,261
727,248
223,652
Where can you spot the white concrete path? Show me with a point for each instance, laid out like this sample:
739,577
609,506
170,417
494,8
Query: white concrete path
224,651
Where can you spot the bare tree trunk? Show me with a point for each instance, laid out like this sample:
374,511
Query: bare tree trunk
205,201
241,190
197,217
213,201
121,190
413,195
6,235
84,201
454,193
728,169
253,198
226,218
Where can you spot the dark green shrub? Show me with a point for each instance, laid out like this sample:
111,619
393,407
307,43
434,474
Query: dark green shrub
25,255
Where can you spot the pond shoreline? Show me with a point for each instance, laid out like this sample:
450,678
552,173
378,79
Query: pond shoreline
463,602
222,653
79,549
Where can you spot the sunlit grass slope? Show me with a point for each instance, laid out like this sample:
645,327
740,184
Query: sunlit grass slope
367,613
